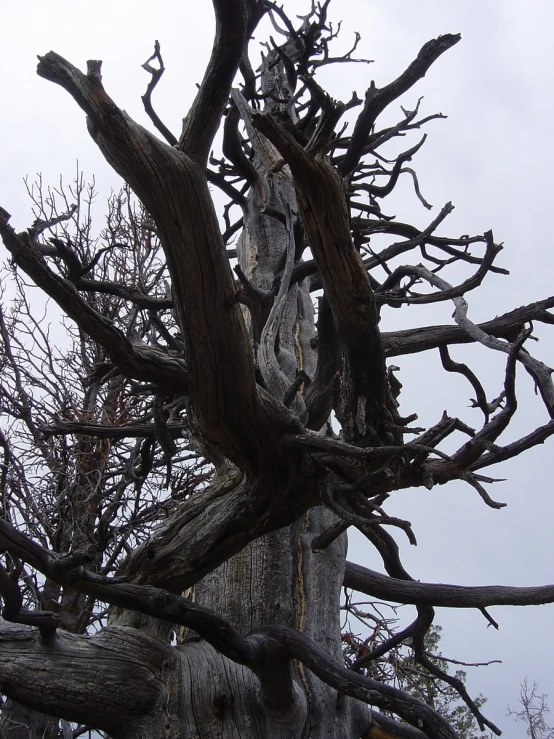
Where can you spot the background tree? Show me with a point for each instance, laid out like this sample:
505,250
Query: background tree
533,712
244,364
65,483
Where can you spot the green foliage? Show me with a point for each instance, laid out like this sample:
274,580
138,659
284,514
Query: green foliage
399,668
419,682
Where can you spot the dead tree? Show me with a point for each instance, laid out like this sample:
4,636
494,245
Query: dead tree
533,713
291,402
67,482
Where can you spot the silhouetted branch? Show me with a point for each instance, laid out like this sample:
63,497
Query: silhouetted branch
440,595
235,22
377,99
156,75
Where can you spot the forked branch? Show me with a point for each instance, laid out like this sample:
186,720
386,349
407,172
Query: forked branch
377,99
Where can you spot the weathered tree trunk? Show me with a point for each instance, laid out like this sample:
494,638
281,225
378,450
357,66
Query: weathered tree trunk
278,579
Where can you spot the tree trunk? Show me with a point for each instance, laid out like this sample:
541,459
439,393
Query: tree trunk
279,580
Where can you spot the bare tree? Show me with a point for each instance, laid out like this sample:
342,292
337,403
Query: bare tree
291,401
66,484
533,712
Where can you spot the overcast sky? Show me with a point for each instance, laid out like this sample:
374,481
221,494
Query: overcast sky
493,158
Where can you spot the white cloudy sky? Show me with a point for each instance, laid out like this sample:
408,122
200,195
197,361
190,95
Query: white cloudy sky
493,158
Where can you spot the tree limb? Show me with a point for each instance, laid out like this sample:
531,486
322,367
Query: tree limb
507,326
441,595
326,220
377,99
175,192
235,22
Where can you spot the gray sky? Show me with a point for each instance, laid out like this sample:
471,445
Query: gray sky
493,158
